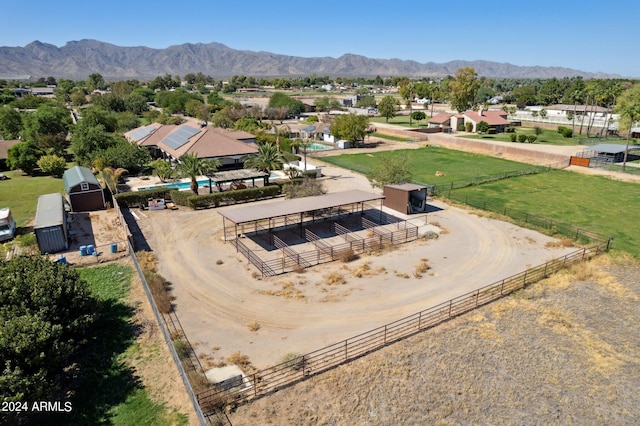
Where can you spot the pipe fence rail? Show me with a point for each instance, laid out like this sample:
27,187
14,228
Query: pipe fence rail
323,251
293,371
552,226
439,189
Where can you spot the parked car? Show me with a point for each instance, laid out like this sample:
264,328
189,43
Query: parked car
7,224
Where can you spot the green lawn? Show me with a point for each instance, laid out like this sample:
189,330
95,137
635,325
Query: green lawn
109,391
20,194
425,162
547,137
591,202
594,203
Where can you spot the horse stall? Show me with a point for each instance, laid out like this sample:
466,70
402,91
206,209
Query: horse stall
406,198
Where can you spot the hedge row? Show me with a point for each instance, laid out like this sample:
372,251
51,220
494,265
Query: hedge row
230,197
134,199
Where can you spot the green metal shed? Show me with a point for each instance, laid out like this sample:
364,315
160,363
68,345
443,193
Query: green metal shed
84,190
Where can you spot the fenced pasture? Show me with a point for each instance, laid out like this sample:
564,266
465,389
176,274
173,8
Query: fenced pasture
292,371
437,166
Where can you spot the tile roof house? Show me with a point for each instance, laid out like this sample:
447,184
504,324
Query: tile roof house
230,147
495,119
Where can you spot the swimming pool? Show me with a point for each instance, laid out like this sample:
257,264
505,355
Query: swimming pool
318,147
178,185
187,185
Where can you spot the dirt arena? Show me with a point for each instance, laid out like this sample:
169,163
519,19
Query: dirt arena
226,307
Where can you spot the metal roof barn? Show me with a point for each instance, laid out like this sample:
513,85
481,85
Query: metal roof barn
84,191
51,223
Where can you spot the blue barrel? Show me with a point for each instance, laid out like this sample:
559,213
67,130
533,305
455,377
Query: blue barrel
114,247
62,260
83,250
90,249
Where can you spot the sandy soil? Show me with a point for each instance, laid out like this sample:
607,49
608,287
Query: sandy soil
218,296
564,351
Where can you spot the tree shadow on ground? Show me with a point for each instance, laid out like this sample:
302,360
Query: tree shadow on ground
100,379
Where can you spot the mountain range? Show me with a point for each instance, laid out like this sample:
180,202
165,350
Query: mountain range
78,59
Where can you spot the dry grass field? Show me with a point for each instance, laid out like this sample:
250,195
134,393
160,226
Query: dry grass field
563,351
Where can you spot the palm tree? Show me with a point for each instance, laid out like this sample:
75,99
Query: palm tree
112,176
266,159
282,130
191,166
628,107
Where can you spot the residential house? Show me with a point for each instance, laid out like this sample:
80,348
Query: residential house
4,149
170,142
496,119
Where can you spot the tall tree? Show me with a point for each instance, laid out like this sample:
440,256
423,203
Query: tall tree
191,166
408,93
45,311
350,127
628,106
10,123
24,156
388,107
392,169
47,127
463,88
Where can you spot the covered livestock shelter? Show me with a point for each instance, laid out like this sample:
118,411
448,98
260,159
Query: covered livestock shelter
281,236
51,227
406,198
606,153
83,189
242,220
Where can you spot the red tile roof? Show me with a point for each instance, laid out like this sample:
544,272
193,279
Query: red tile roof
492,118
441,118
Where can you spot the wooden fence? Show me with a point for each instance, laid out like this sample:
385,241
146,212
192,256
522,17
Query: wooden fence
293,371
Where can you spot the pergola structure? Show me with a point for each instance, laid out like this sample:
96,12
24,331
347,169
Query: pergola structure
293,212
220,178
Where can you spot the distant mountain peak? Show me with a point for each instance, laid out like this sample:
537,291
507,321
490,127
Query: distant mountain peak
88,56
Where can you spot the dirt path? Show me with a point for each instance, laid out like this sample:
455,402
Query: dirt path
218,296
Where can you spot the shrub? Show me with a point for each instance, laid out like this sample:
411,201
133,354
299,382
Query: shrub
468,127
303,188
293,360
565,131
513,137
510,129
52,165
537,130
532,138
229,197
522,138
461,127
133,199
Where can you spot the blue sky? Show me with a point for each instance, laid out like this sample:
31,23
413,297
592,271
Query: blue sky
587,35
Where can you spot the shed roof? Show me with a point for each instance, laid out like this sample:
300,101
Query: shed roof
50,211
4,147
298,205
77,175
407,187
611,148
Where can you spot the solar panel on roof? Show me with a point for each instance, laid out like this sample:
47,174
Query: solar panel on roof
141,133
180,136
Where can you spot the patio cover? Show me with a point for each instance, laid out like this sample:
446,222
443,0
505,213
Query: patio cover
298,205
